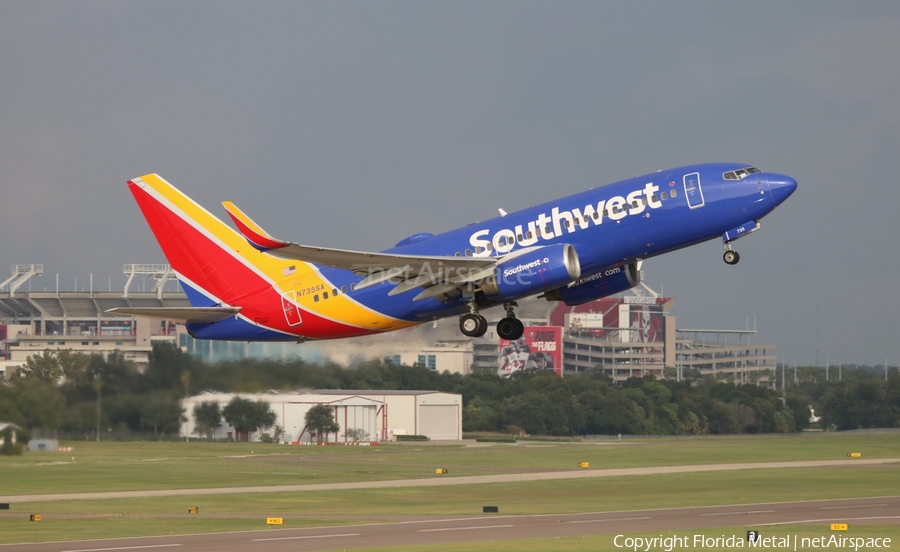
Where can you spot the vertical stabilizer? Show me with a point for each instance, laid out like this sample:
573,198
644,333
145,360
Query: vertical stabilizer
213,262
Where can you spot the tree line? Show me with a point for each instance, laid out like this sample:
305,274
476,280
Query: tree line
95,397
864,397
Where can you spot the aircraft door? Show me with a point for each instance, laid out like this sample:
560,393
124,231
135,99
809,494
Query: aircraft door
692,190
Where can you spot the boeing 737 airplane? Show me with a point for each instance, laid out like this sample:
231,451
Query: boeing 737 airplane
250,286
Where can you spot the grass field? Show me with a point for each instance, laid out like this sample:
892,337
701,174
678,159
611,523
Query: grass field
144,466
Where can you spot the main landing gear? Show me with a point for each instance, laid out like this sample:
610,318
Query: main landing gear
474,325
510,328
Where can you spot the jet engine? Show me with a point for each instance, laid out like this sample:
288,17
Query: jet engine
608,281
532,271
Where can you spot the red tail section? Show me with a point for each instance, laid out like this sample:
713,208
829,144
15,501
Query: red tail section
195,242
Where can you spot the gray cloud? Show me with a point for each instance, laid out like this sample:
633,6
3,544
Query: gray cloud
356,124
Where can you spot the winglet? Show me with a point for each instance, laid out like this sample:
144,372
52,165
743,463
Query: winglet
254,234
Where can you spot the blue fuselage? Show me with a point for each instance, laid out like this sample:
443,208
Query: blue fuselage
627,221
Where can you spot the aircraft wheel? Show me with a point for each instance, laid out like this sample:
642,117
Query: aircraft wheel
483,326
731,257
520,327
472,325
510,329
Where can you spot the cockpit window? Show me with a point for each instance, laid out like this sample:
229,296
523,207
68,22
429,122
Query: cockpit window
740,174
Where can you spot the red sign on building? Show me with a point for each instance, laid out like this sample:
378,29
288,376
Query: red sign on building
539,348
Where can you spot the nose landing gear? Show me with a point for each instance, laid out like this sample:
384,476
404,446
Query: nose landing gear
731,256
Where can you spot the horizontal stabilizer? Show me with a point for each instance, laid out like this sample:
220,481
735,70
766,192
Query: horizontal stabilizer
188,315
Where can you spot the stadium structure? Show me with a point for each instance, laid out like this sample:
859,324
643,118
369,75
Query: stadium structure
632,335
32,322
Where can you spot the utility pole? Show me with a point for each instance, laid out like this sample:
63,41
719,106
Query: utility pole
782,380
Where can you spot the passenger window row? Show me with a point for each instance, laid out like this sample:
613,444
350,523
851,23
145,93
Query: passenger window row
334,293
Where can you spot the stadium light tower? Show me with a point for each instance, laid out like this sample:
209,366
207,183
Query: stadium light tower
21,274
159,272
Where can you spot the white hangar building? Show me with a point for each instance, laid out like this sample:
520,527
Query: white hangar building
380,415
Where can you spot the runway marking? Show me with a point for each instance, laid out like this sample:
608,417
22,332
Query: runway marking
842,507
307,537
123,548
463,528
608,519
737,513
826,519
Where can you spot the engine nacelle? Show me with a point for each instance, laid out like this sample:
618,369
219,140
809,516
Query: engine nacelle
532,271
608,281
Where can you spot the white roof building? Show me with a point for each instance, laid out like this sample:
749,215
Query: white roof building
376,415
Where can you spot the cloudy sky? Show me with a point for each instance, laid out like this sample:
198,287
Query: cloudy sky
354,125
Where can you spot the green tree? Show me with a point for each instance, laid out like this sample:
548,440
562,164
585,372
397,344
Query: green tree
860,405
246,415
321,419
478,415
722,418
161,411
483,370
541,413
356,434
40,403
72,365
610,414
207,418
169,368
80,417
799,410
9,412
42,366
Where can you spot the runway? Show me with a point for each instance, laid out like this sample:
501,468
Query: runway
450,529
412,530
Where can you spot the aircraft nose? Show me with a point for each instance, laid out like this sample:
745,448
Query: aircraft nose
781,186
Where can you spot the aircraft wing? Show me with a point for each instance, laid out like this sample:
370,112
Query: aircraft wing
445,274
189,315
